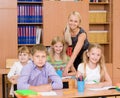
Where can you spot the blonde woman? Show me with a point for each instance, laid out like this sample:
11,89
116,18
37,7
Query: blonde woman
76,37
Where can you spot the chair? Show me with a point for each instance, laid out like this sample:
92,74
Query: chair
10,62
5,82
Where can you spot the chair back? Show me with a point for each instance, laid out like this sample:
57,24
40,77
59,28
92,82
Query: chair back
10,62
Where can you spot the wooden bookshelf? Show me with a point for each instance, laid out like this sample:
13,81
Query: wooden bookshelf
29,20
102,25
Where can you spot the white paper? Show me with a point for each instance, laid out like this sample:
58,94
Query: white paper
51,93
67,77
103,88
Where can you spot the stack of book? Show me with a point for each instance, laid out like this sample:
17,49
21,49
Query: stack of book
98,36
97,16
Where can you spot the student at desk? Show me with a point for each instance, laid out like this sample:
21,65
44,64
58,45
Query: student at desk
58,57
23,57
35,75
93,68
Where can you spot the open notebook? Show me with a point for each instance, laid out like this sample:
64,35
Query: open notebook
103,88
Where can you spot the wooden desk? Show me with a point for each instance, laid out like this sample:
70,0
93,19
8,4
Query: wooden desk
69,93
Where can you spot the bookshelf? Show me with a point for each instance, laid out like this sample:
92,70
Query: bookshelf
29,22
100,30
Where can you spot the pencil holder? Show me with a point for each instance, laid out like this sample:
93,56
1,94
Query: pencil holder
80,86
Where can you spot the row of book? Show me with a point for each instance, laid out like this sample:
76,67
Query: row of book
99,16
29,34
30,0
98,36
29,13
98,0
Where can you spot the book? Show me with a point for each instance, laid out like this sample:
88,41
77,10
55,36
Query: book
38,35
103,88
51,93
26,92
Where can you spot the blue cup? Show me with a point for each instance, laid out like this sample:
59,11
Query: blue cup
81,86
59,72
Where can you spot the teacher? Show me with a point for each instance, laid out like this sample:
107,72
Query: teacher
76,37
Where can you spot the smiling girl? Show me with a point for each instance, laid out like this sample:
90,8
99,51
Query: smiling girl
93,68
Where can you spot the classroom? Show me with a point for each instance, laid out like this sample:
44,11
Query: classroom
31,22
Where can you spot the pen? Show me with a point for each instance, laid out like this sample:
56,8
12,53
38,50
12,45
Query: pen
95,81
80,78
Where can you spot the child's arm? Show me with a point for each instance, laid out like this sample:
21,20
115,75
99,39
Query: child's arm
56,81
44,87
13,79
107,82
11,73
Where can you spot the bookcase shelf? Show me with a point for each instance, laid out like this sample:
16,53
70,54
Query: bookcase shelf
30,22
99,3
104,23
29,2
26,45
100,21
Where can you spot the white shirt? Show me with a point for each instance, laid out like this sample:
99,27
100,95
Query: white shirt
15,69
91,74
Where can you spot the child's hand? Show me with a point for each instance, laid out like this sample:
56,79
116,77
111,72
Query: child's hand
96,85
41,88
13,79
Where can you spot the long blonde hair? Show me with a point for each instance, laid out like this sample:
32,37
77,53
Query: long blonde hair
101,62
63,54
67,34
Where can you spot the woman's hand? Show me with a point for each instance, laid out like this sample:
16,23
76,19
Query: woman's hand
78,74
65,72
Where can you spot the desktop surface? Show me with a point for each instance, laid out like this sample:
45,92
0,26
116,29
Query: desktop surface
67,93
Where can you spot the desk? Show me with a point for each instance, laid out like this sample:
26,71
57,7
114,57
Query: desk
4,73
65,93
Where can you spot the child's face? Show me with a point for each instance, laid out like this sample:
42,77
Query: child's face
73,22
94,55
39,58
58,47
23,57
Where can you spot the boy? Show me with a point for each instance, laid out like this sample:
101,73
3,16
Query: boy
35,75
